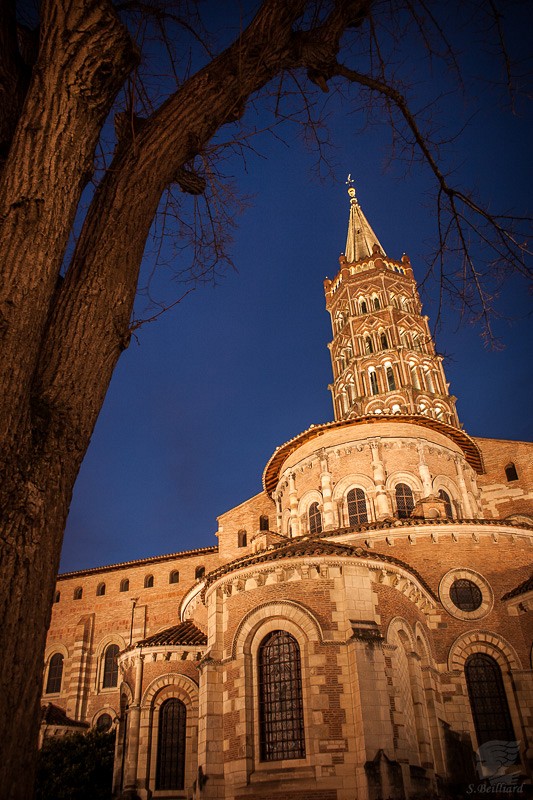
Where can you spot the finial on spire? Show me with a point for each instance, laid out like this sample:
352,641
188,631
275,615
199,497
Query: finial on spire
361,238
351,188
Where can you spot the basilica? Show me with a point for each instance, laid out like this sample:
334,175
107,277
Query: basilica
362,627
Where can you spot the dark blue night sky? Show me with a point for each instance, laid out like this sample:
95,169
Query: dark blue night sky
198,404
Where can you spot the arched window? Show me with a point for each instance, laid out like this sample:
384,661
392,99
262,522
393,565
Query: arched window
374,382
414,376
315,519
357,512
149,582
384,341
488,699
281,724
57,596
364,308
510,472
125,585
78,593
55,674
429,381
100,590
242,538
199,572
369,346
170,773
447,503
174,576
263,522
110,675
376,303
404,500
391,383
104,723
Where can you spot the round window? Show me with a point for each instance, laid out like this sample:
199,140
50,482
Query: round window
103,723
465,594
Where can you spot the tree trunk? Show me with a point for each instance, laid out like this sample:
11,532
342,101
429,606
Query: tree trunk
61,339
84,56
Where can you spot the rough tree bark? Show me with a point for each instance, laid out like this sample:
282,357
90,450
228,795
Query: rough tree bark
60,339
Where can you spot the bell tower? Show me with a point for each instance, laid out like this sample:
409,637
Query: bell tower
382,352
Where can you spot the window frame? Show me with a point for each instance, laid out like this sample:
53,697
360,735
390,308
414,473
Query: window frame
505,730
511,472
105,672
176,758
272,722
481,582
404,498
314,519
54,678
357,501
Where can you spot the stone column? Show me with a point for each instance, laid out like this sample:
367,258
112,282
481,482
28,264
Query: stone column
467,507
134,721
81,668
421,715
293,503
423,469
325,485
383,508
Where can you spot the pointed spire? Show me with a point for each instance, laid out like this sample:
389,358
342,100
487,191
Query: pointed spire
361,238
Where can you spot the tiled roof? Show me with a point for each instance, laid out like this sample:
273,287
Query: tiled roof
185,633
311,546
54,715
150,560
522,588
459,437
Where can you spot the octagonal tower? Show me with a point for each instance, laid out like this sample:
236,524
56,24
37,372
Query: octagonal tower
382,353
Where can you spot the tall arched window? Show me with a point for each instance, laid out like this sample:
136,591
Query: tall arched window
364,308
376,303
414,376
510,472
488,699
110,676
55,674
391,383
149,582
357,512
429,381
384,341
315,519
447,503
170,773
281,724
124,585
374,388
100,590
78,593
242,538
404,500
263,522
369,346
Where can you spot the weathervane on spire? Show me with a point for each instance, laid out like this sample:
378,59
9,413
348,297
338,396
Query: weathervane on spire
351,188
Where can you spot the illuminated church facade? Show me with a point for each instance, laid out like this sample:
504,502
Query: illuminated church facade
364,624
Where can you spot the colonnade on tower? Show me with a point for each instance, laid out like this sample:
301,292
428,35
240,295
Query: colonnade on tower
382,353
